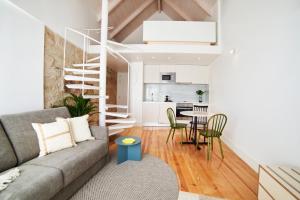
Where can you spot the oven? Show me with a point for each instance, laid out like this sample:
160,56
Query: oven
183,107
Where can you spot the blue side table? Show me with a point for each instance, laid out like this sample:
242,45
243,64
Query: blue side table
129,151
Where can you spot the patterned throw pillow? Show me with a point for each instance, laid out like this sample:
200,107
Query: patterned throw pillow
53,136
79,127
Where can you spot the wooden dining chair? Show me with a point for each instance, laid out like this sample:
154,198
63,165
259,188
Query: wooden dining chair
201,121
175,126
214,129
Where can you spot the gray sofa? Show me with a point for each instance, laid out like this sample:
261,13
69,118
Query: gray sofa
55,176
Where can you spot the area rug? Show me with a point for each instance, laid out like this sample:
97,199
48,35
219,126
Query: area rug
149,179
193,196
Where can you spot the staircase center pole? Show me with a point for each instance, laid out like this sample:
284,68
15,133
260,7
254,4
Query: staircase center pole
103,61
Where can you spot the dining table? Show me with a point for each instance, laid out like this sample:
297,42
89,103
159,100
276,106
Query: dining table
195,115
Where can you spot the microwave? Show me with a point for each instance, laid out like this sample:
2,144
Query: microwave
167,77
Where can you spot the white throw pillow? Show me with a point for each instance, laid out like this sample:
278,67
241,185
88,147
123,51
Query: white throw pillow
79,128
53,136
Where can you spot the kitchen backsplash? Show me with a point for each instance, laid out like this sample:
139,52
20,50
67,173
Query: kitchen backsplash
176,92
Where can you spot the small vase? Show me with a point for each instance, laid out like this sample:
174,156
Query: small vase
200,98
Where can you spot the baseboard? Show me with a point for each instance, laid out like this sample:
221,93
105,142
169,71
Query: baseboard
250,161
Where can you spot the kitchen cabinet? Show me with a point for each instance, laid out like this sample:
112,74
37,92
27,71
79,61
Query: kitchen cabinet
167,68
151,74
155,113
185,74
150,112
163,106
192,74
199,75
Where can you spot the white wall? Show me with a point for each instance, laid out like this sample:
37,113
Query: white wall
258,87
58,14
136,90
21,55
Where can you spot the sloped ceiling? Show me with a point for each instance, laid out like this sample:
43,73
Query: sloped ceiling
125,16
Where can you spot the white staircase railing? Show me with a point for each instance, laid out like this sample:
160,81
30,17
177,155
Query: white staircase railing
84,77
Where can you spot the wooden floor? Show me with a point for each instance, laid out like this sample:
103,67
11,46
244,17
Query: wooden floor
230,178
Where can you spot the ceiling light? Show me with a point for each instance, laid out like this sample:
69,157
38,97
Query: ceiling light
199,58
169,58
153,57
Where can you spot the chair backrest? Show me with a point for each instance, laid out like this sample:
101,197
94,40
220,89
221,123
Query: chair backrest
171,117
201,109
216,124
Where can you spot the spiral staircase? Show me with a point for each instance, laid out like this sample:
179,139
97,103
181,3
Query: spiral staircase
84,77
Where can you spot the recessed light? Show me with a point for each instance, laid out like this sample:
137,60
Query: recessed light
153,57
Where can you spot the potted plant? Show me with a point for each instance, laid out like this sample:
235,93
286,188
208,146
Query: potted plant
78,106
200,94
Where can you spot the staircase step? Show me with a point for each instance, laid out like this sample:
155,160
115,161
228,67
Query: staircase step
80,71
80,78
87,96
113,132
117,114
119,126
116,106
90,65
81,86
121,121
93,59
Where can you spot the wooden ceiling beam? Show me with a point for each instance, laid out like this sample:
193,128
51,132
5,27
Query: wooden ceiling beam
111,7
207,7
131,17
136,22
169,11
178,10
159,8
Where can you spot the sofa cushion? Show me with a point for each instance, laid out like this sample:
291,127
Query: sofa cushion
21,134
7,156
74,161
34,182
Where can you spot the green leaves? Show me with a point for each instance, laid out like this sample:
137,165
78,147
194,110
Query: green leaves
78,106
200,92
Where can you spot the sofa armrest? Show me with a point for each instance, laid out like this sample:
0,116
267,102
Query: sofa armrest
100,133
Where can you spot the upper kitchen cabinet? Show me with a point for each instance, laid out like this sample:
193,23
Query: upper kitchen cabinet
192,74
185,74
167,68
151,74
198,74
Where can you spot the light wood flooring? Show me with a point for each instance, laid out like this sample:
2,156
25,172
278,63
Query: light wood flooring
230,178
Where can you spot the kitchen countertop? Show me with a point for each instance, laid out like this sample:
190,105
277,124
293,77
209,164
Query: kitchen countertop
195,103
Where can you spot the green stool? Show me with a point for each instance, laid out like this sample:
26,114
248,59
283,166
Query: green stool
129,151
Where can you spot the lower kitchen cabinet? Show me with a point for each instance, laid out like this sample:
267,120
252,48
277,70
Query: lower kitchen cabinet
163,118
150,112
155,113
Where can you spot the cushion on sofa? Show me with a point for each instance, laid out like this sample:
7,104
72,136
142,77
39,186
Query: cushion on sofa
99,133
79,127
34,182
7,156
53,136
74,161
21,134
